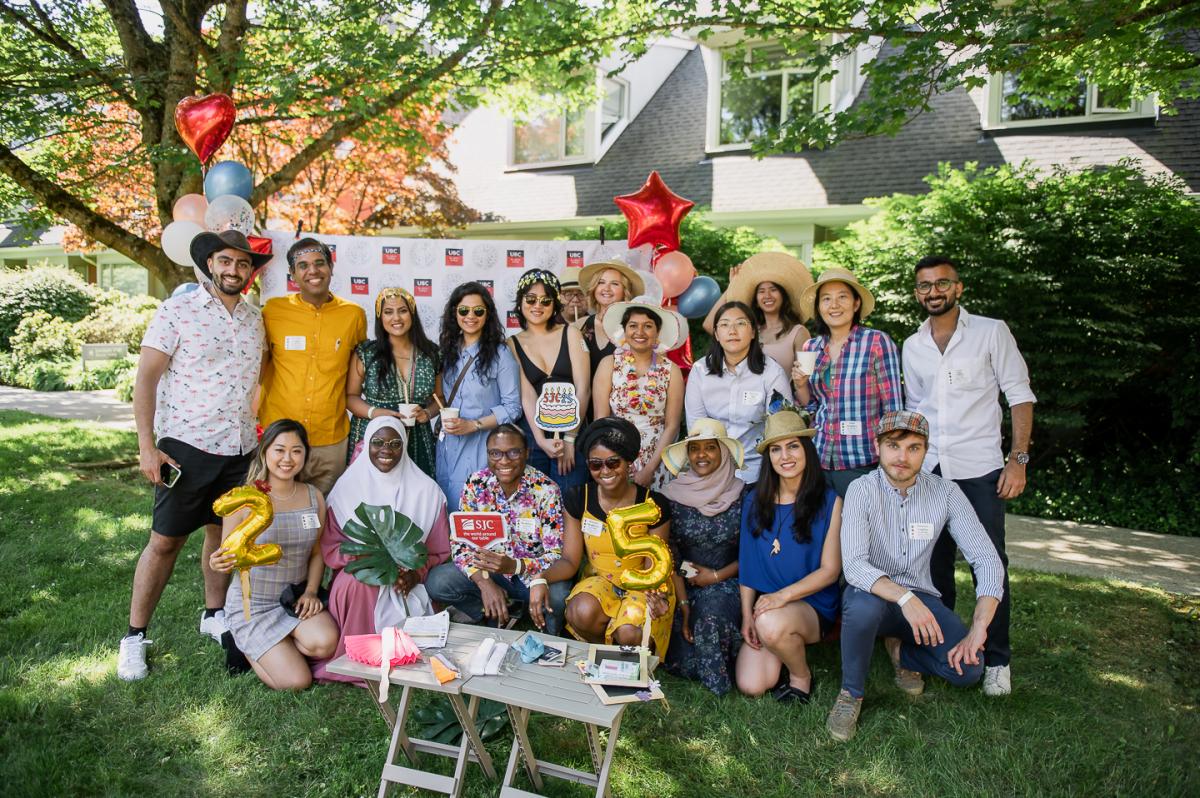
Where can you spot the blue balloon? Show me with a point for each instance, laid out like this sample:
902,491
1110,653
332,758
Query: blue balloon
698,298
180,290
228,177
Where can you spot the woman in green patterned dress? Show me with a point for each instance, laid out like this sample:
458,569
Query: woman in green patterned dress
398,367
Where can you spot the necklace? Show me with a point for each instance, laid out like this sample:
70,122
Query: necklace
778,531
290,495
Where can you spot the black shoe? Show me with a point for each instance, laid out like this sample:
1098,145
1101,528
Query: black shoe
786,694
235,661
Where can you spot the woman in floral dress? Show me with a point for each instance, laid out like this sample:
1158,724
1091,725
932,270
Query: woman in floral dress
638,383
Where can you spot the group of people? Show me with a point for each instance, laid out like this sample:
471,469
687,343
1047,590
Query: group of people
782,534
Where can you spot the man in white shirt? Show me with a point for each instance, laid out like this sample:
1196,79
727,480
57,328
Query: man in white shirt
955,367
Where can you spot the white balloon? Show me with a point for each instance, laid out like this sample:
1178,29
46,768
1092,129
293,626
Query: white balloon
177,241
654,289
229,212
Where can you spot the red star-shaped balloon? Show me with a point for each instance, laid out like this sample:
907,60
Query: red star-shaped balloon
654,214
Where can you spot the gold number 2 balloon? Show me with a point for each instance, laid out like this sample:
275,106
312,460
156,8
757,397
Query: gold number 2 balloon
632,541
240,541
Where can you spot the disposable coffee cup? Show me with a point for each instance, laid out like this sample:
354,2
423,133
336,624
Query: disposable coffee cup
408,414
807,361
448,413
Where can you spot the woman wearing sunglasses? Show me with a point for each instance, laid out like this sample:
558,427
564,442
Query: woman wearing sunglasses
394,374
549,352
597,610
479,385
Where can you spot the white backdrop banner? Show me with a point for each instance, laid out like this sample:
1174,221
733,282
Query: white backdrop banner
432,268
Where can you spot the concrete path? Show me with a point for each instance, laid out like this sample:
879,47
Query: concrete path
1167,561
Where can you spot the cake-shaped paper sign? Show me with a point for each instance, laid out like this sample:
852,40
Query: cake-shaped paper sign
557,407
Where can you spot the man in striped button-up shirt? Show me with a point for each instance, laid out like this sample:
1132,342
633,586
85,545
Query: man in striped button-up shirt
890,523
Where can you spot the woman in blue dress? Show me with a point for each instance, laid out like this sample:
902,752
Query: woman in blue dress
706,508
790,558
479,379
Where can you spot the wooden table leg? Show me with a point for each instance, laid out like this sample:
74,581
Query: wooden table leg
519,718
605,766
385,709
471,740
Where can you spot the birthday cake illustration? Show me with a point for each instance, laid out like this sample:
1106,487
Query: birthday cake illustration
557,407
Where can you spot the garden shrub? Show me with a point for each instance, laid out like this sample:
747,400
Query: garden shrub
40,336
53,289
118,318
45,375
124,385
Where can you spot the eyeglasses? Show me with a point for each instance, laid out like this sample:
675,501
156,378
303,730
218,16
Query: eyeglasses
738,324
611,463
509,454
544,301
924,287
479,310
395,444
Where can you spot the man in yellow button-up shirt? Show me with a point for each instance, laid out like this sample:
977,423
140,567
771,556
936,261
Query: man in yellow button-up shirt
311,337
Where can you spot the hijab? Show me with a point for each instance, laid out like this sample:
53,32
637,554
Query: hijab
710,495
406,488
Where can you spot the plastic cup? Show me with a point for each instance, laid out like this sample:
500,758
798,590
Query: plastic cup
807,361
407,414
449,412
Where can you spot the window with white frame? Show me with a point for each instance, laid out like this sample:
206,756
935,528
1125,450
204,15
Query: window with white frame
1011,105
614,107
571,137
761,90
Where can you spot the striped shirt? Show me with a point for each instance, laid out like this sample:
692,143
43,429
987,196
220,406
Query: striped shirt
850,395
886,534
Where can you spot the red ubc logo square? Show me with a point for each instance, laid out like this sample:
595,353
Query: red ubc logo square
489,285
423,287
391,256
332,251
454,256
515,259
359,285
512,322
574,259
292,287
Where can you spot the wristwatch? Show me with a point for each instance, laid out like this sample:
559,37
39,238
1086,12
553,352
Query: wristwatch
1022,458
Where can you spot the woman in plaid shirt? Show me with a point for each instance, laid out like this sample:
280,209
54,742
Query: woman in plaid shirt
856,378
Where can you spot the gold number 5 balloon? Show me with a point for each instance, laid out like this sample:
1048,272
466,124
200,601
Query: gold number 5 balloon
240,541
632,541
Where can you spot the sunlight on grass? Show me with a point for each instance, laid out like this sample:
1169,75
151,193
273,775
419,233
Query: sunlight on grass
1123,679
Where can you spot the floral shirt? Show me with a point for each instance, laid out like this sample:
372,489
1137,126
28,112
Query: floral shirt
532,515
642,400
204,395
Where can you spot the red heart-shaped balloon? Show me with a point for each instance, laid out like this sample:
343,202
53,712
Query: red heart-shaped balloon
205,122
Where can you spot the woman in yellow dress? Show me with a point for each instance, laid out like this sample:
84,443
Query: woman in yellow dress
598,609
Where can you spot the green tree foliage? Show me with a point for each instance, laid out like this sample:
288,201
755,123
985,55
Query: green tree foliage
1095,273
58,292
41,336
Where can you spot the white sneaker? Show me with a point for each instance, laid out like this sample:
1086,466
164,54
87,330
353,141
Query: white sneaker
215,626
997,680
131,662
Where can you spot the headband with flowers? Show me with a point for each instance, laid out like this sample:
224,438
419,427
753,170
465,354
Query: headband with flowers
393,292
542,276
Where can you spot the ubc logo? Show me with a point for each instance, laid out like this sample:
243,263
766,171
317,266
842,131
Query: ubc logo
291,285
423,287
574,259
489,285
515,259
332,251
391,256
454,257
358,285
511,321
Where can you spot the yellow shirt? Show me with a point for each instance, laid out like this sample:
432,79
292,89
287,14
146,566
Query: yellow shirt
311,349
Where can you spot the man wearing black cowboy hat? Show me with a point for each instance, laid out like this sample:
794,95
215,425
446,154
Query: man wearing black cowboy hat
197,375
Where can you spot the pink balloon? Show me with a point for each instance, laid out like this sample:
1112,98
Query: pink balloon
675,271
190,208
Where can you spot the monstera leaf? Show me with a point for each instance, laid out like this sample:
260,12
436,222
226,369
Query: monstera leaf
382,542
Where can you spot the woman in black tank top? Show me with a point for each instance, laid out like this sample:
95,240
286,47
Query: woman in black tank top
539,312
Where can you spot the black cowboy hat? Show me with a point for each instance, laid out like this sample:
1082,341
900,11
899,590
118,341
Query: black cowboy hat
205,244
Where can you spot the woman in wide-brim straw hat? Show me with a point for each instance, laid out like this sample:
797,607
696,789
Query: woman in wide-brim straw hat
855,380
637,382
789,560
771,283
605,283
706,513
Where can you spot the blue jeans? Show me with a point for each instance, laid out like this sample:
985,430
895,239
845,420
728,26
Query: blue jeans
448,585
866,616
539,460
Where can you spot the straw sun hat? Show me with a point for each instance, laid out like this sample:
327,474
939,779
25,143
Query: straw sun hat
809,299
782,425
675,456
670,331
592,269
786,271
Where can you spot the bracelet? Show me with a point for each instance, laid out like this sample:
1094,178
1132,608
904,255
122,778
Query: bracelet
569,439
539,581
370,413
907,597
478,425
684,603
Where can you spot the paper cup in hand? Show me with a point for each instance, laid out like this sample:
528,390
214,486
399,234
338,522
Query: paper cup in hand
807,361
449,412
408,413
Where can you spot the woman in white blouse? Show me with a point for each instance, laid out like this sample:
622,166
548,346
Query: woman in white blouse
735,381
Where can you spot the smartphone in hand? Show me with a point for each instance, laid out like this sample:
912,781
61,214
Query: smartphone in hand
170,474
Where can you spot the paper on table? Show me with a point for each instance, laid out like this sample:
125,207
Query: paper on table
429,631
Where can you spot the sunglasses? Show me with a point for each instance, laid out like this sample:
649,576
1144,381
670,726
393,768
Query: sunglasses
924,287
395,444
611,463
544,301
479,310
510,454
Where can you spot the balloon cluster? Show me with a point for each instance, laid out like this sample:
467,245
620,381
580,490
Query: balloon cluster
204,123
654,213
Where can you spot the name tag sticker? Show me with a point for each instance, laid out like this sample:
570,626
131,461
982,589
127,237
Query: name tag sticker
295,343
310,521
851,428
918,531
527,526
752,397
593,527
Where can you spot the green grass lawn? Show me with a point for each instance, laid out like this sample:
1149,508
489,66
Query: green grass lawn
1106,676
